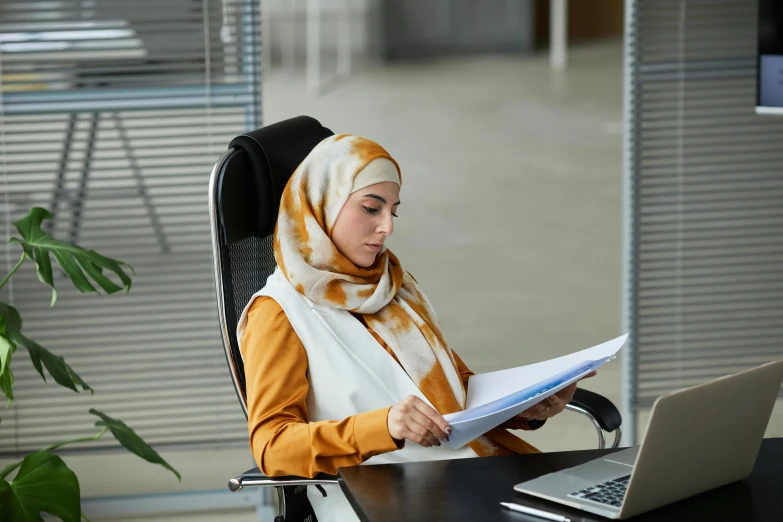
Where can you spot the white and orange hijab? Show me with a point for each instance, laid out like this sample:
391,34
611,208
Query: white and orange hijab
387,296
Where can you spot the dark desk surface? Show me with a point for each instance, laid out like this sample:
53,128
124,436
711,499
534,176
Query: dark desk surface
472,489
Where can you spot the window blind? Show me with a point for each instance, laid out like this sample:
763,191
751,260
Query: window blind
704,199
113,114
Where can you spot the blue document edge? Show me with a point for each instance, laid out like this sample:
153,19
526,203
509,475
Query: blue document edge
541,390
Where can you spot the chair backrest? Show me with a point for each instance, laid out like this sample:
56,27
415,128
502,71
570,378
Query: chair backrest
244,196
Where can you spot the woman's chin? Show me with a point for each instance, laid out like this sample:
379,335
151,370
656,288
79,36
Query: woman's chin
365,261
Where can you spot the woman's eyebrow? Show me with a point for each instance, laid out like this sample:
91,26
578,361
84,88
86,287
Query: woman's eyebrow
379,198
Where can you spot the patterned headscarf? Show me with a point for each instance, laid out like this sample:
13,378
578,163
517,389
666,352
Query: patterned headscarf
388,298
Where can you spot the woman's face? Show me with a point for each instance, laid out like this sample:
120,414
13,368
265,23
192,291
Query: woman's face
365,221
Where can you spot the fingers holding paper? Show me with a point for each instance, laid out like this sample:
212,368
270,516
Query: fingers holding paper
415,420
552,405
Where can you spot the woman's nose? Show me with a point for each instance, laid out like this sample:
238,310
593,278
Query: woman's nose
387,224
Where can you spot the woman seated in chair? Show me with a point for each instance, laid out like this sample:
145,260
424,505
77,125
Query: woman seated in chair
345,359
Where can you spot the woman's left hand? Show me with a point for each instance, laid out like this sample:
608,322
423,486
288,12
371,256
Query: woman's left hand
553,405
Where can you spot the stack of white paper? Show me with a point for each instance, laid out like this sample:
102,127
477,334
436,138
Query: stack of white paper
495,397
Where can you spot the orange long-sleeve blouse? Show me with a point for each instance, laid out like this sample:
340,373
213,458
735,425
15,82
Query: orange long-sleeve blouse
282,439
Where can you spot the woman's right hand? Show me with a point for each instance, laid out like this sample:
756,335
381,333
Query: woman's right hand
415,420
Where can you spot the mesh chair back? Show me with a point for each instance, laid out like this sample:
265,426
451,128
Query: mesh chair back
245,189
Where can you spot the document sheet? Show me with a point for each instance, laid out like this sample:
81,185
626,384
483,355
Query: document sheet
495,397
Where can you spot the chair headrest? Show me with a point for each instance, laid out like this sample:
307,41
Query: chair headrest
272,154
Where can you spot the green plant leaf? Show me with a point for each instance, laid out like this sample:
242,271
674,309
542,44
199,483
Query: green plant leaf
7,385
9,318
6,349
132,442
78,264
62,373
44,483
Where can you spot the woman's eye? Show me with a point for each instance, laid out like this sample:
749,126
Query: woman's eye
371,210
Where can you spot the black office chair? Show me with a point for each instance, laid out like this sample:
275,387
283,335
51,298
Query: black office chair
244,196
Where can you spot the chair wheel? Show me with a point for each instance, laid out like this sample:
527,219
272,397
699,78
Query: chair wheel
279,518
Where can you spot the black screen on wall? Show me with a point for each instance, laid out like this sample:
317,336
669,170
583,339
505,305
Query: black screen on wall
770,59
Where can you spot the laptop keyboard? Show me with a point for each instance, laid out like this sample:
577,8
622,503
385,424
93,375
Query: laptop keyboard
610,492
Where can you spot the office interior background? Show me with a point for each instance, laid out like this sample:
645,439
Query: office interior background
571,171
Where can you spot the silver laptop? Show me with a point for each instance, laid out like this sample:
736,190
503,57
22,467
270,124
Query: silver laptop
697,439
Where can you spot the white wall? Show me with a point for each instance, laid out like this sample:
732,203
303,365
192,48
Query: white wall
287,26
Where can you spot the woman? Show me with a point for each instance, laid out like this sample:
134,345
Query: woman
344,357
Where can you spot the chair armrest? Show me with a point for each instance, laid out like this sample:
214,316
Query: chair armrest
254,477
602,409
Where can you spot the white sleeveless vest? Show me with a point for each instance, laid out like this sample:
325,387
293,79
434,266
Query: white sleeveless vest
349,373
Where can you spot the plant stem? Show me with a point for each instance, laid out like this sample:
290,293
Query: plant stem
85,517
14,269
8,469
85,439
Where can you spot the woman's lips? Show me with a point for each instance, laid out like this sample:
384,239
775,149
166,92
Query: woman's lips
375,247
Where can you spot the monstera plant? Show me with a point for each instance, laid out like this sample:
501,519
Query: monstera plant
43,483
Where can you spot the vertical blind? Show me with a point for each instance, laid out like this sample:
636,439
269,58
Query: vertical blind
112,116
704,199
